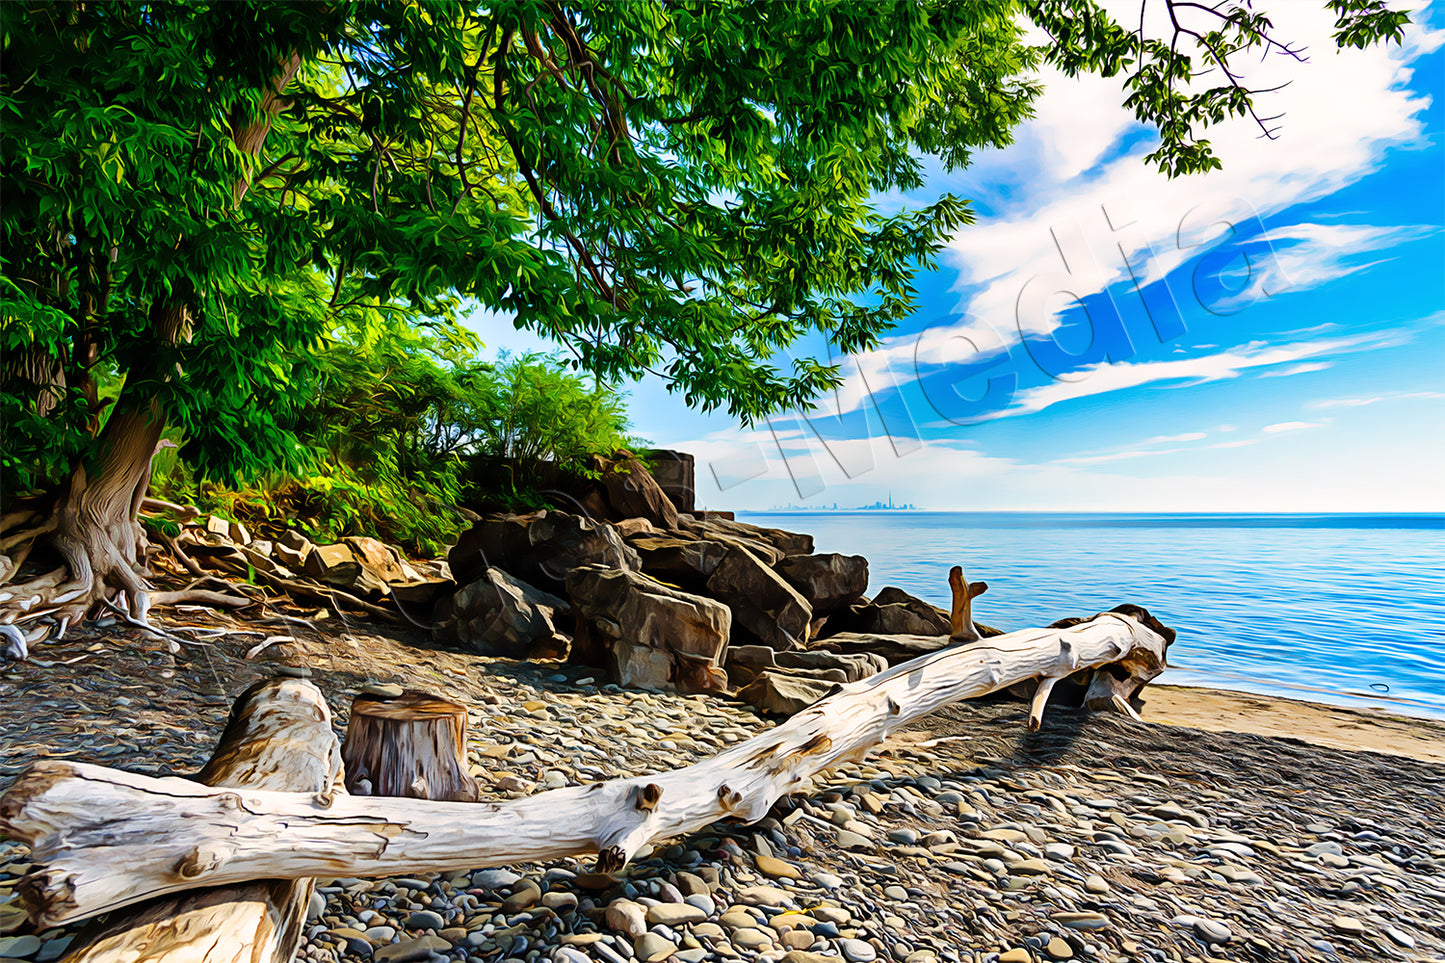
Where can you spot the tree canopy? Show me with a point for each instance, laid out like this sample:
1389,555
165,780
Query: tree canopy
194,195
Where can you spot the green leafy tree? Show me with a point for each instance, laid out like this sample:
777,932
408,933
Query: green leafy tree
192,192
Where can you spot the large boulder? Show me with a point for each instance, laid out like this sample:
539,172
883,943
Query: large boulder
829,582
855,666
540,548
892,648
646,633
684,562
676,475
784,695
709,531
789,543
501,615
632,492
761,602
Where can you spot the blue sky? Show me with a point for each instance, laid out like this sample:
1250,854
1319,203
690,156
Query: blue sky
1269,337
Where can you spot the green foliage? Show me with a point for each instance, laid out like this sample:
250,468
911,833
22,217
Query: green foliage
684,187
396,417
1160,74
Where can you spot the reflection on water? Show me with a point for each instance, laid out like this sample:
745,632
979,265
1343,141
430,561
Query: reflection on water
1348,609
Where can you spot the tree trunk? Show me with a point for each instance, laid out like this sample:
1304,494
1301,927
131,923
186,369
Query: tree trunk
106,838
413,745
93,526
279,738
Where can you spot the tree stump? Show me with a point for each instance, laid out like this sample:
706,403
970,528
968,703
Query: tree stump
278,738
413,744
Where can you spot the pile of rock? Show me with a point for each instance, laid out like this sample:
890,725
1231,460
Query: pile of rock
357,569
668,598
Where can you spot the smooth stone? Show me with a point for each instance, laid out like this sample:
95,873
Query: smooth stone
12,918
495,878
777,868
410,951
1213,931
751,938
53,949
1081,921
380,934
566,954
625,916
1096,884
1031,867
1059,948
827,880
650,947
1348,924
801,956
559,902
425,920
856,951
382,690
703,902
799,939
692,885
19,946
1059,851
762,896
1400,937
1016,955
674,914
851,840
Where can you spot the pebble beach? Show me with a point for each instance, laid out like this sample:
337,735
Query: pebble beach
964,839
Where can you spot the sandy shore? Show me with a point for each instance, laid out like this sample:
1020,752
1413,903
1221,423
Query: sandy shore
1215,710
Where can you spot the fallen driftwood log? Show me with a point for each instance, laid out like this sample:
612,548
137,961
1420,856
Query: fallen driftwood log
105,838
278,738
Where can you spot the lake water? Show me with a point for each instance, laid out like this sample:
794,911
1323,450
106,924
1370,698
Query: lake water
1345,609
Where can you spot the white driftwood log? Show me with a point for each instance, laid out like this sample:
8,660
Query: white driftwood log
107,838
279,737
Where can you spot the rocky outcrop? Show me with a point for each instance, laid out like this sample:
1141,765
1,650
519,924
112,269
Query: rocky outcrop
784,695
892,648
761,602
676,475
788,543
501,615
647,633
540,548
632,492
683,562
829,582
712,531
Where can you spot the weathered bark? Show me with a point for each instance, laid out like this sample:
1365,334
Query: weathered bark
414,745
106,838
279,738
94,524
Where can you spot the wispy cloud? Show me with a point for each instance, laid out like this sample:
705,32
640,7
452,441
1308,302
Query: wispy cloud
1297,369
1292,426
1070,190
1375,399
1117,376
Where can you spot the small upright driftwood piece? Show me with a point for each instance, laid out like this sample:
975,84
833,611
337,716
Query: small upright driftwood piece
413,745
104,839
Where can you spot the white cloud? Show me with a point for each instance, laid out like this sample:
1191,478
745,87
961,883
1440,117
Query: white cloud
1116,376
1342,112
1297,369
1375,399
1187,436
1292,426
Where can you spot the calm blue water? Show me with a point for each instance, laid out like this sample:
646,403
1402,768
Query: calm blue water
1347,609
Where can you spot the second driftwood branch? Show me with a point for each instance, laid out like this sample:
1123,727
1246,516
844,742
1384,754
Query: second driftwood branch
107,838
